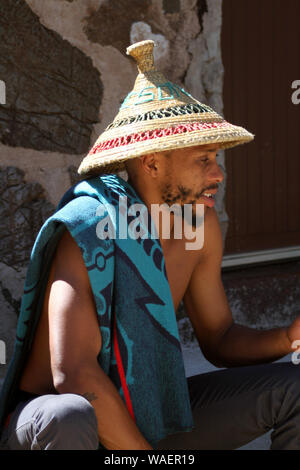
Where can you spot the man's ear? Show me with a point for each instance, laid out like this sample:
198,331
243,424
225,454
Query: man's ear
150,164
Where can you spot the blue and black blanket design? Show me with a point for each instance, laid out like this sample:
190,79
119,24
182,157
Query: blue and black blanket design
140,351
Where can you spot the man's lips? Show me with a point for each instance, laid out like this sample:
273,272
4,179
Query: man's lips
210,191
209,201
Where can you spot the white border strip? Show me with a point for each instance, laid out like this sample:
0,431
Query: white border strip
256,257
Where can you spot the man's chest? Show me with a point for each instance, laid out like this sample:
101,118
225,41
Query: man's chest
180,264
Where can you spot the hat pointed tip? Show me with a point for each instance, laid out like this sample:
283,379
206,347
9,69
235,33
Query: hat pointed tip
142,52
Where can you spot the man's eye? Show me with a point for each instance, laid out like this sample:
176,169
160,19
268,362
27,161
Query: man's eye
204,159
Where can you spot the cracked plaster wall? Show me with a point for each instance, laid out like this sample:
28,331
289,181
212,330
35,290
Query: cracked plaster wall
66,71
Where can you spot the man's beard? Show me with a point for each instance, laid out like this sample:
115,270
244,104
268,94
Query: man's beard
181,196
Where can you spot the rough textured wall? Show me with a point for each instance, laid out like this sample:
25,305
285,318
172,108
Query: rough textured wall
53,90
66,72
23,209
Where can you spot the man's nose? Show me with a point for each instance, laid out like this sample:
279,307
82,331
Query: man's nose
216,174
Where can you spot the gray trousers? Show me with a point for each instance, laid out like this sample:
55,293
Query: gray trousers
231,407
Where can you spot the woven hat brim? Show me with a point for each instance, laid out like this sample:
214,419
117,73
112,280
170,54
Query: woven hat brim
113,160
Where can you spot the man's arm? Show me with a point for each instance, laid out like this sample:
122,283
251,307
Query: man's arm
224,343
75,342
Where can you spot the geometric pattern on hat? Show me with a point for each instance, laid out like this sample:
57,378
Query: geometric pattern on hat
157,116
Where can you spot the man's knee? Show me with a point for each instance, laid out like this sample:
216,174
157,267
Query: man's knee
66,421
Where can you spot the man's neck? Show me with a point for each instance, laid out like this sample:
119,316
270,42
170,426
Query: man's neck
150,196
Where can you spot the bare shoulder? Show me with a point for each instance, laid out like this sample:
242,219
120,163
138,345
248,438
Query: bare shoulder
213,242
68,262
67,245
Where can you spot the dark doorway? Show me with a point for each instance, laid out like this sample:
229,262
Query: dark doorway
261,57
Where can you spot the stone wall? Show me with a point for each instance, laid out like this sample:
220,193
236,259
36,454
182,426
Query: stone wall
66,72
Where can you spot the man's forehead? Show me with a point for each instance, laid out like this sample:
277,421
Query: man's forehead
204,148
199,149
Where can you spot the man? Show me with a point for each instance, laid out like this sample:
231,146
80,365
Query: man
66,399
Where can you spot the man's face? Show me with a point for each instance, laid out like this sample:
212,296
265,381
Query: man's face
191,176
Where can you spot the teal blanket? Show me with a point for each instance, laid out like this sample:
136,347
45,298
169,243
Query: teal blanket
140,351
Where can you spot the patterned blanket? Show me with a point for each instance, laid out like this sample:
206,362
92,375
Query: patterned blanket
140,351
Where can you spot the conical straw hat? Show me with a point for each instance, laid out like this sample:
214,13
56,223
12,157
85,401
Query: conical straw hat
156,116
